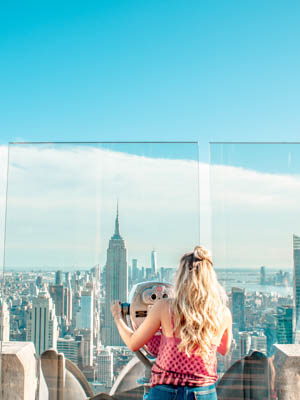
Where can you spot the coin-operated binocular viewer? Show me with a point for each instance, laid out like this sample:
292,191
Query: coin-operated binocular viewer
142,297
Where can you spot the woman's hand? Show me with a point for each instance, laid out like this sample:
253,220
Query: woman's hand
115,309
135,340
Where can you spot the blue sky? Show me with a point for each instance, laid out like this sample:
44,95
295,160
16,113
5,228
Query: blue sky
274,158
156,70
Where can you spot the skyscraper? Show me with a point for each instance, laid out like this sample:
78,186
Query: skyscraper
262,275
85,319
244,343
284,329
105,366
238,308
57,294
135,271
58,277
296,315
259,342
68,304
86,346
153,262
41,323
71,348
67,279
116,278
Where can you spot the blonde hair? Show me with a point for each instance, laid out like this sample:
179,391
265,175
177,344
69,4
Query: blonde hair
198,304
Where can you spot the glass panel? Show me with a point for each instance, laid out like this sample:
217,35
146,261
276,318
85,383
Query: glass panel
3,176
3,181
4,315
85,222
255,196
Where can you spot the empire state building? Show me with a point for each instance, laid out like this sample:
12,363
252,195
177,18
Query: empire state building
116,276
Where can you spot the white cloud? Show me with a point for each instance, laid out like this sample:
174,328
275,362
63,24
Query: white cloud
254,217
62,202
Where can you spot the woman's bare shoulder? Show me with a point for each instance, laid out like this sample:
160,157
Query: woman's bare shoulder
227,317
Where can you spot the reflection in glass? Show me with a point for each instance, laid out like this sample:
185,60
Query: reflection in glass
85,222
4,310
255,197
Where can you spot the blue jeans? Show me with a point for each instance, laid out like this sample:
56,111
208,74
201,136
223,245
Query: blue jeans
172,392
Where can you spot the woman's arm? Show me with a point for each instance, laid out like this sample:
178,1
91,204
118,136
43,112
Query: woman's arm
226,340
135,340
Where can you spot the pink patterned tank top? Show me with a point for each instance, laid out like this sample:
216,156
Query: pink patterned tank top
174,367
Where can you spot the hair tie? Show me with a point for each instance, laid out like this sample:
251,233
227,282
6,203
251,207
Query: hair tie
196,259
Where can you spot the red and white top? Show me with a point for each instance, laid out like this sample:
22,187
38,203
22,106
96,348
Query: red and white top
174,367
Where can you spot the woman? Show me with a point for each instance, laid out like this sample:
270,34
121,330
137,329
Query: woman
195,325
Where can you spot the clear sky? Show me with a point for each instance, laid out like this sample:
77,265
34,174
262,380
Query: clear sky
150,70
166,70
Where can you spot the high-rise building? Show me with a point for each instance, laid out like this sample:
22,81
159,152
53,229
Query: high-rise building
86,346
76,300
142,273
33,289
57,294
238,308
105,366
244,343
58,277
84,325
259,342
284,329
95,271
154,262
4,321
135,271
122,356
67,279
39,281
71,348
271,335
116,279
42,323
296,315
262,275
149,274
68,304
85,319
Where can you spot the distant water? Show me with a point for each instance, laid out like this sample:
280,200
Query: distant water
248,279
254,287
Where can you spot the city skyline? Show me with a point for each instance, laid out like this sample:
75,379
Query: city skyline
260,317
76,319
98,98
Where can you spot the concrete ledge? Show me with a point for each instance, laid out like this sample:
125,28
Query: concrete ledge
64,380
287,371
18,371
52,377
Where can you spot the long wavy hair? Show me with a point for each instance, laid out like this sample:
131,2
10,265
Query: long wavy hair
198,304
